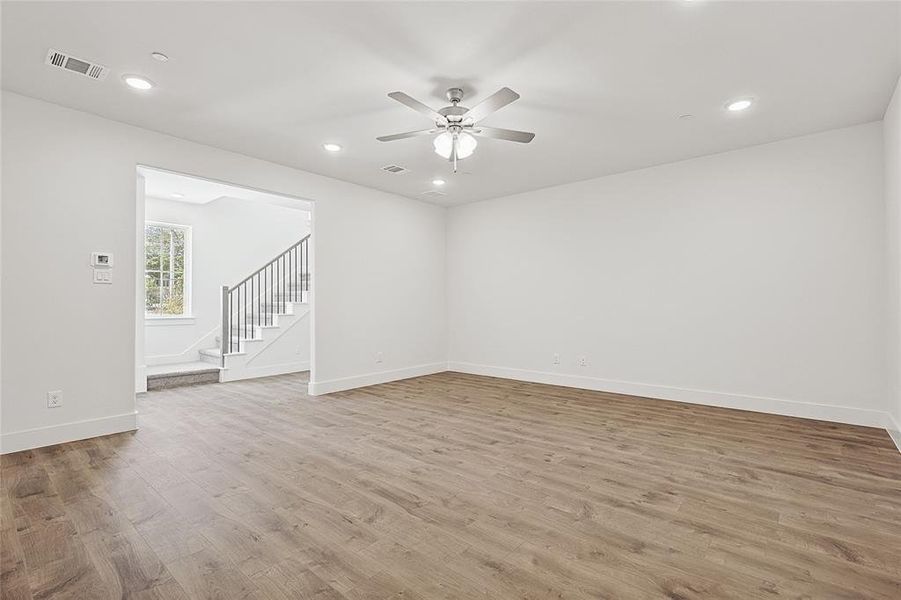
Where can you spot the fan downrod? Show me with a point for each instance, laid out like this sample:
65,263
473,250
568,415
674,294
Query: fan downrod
454,95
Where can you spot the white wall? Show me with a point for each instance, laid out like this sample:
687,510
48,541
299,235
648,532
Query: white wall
231,238
69,188
892,138
752,279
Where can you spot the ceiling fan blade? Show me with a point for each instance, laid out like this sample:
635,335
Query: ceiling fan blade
498,100
405,135
511,135
417,106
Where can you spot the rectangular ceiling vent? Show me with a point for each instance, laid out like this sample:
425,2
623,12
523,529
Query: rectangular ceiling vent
61,60
395,169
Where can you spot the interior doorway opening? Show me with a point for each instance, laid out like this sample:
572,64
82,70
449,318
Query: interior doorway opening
224,288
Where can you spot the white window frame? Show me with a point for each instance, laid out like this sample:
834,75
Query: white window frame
187,317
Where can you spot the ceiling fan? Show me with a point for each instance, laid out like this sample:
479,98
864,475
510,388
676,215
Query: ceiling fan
457,125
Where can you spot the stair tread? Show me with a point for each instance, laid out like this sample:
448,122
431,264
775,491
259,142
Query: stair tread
212,369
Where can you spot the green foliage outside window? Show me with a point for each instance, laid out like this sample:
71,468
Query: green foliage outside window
164,270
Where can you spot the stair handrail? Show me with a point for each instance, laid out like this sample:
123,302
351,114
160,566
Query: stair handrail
258,271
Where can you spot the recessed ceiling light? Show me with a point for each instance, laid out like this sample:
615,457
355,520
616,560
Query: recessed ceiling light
438,182
159,56
137,82
177,195
739,105
332,147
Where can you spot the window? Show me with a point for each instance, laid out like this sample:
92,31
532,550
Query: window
166,270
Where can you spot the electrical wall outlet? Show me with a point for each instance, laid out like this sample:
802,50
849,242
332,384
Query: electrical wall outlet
54,399
583,362
556,358
378,357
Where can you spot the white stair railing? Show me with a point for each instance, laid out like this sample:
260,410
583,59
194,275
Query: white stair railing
256,299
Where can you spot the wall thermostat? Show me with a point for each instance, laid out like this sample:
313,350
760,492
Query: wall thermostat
101,259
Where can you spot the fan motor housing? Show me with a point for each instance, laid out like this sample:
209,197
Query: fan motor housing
453,111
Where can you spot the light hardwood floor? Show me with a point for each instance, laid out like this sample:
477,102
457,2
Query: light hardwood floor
453,486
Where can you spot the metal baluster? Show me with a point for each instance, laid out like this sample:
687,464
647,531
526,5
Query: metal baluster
282,280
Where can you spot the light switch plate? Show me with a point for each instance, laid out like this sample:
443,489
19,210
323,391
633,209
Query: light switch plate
103,276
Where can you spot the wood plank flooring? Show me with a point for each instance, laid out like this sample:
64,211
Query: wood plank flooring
452,486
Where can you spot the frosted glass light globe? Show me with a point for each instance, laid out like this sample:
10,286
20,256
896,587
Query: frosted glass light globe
444,144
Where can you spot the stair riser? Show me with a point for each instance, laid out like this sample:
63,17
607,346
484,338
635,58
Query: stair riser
181,379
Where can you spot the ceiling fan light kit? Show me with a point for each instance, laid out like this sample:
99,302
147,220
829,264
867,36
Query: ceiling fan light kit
458,143
457,125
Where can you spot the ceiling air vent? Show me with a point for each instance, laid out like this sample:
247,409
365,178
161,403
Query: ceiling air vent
395,169
61,60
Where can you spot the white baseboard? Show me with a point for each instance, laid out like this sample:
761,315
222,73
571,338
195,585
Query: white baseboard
791,408
241,373
140,379
894,431
317,388
67,432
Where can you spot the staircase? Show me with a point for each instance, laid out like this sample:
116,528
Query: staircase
265,319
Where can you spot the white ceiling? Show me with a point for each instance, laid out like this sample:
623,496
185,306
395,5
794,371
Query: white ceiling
602,84
194,190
